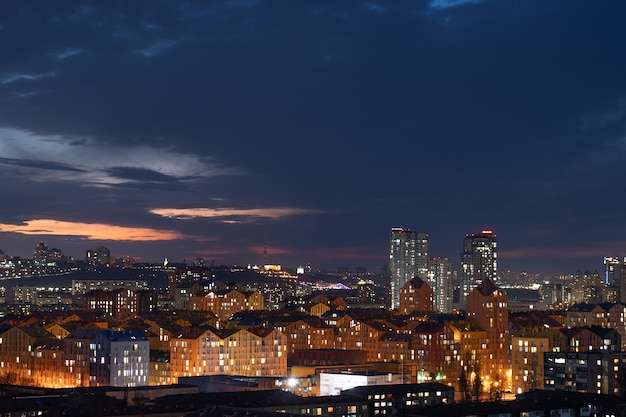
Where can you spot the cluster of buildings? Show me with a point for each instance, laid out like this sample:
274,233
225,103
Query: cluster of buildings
577,348
446,326
409,258
52,261
486,346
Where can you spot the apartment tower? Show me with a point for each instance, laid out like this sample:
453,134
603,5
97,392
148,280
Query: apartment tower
442,273
478,261
408,257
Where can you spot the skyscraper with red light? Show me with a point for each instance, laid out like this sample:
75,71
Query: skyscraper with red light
479,261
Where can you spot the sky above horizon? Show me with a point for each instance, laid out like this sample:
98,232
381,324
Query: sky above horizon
308,129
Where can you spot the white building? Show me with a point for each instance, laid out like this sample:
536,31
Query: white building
122,359
333,384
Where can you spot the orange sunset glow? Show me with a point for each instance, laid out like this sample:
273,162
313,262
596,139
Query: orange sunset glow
98,231
190,213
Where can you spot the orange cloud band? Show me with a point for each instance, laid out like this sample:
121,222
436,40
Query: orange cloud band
272,213
89,230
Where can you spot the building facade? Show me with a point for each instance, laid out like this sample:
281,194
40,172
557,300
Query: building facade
596,372
442,274
488,306
479,261
195,351
119,359
415,295
408,257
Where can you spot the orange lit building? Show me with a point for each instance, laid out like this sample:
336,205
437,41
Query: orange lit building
309,333
160,335
48,364
119,303
100,301
318,309
585,339
60,331
231,302
470,347
433,344
338,303
255,301
16,347
193,352
612,315
415,295
205,302
259,351
319,298
527,359
488,306
227,302
363,335
395,347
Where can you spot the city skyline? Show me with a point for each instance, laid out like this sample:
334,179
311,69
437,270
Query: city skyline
242,131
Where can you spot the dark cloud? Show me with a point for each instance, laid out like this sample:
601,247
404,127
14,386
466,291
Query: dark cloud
140,175
38,164
444,116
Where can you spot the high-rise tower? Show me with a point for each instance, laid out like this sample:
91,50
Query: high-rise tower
478,261
442,274
408,257
612,271
41,254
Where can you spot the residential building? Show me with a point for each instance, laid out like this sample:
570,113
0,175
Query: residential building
259,351
442,275
408,257
470,347
194,351
77,354
309,333
584,339
354,334
527,357
612,271
101,256
119,359
612,315
225,303
488,306
40,254
588,287
415,295
396,347
433,345
118,303
479,261
597,372
398,399
48,364
17,345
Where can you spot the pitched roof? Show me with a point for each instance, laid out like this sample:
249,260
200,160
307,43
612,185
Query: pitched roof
487,287
84,333
261,331
428,327
417,282
192,332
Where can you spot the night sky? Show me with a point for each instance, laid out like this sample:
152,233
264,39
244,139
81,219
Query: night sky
186,129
